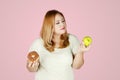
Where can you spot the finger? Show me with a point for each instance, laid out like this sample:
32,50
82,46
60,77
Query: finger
88,47
37,60
30,64
83,45
33,65
37,63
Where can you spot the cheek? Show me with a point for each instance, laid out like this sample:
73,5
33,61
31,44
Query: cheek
56,29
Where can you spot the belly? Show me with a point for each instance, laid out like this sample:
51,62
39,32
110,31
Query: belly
44,74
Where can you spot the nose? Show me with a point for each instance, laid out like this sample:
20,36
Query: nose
62,24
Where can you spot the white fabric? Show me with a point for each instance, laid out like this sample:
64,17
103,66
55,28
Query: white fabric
55,65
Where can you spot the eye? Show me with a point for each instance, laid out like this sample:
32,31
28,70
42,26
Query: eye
57,23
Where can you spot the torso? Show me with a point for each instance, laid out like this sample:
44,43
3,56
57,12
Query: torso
54,65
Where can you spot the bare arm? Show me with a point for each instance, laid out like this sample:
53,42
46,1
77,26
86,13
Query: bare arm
78,60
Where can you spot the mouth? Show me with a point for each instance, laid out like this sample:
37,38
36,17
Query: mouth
62,28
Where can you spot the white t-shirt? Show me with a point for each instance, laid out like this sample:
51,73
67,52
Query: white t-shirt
55,65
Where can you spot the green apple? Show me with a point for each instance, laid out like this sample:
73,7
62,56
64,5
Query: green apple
87,40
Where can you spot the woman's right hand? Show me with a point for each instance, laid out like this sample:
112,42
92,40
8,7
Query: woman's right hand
33,66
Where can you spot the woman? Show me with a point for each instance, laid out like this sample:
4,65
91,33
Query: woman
59,52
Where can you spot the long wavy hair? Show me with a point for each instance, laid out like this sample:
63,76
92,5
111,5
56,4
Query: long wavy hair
47,31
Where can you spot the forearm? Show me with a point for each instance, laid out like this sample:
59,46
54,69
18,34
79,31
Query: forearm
78,60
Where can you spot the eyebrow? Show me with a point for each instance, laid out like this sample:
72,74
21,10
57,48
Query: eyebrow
61,19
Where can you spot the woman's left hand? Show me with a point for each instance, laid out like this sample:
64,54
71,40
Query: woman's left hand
83,48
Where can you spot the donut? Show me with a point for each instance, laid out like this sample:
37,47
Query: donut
33,56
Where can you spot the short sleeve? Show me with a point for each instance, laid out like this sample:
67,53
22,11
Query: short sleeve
74,43
36,45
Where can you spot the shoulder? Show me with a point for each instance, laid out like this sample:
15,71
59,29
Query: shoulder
72,37
38,41
37,45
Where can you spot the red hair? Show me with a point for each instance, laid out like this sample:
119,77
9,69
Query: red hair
47,31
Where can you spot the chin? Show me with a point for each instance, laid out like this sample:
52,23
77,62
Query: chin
62,32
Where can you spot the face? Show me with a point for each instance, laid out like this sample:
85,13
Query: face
60,24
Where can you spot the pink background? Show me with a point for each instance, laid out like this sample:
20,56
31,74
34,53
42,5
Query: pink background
20,24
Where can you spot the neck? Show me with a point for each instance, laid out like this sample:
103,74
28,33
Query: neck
56,38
